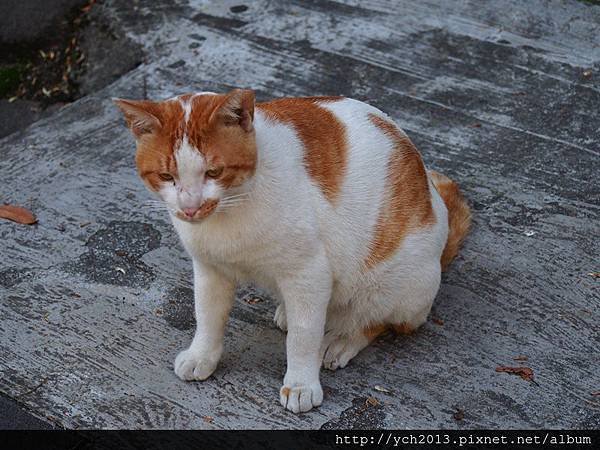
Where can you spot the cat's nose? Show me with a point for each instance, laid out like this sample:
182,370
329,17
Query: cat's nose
190,211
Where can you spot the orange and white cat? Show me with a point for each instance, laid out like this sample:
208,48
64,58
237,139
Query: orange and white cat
323,201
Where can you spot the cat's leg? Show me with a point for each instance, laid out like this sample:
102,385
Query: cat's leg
213,298
280,318
306,294
416,298
402,307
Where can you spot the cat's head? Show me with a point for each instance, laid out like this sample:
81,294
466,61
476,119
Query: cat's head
196,150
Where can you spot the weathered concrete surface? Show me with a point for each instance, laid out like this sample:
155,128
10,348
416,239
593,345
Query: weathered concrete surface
495,95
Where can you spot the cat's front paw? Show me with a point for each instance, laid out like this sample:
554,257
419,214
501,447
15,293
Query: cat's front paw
301,398
193,365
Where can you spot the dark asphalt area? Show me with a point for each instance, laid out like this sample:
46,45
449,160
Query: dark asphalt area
14,417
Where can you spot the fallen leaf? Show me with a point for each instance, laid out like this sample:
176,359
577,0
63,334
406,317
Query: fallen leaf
17,214
382,389
372,401
253,301
520,358
208,419
459,414
437,321
524,372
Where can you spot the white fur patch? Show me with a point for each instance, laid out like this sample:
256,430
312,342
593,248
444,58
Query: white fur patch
190,163
190,170
212,190
187,108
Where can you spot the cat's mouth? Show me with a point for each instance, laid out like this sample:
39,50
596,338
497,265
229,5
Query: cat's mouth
199,214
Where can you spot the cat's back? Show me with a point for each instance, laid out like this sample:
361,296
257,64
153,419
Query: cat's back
374,189
342,142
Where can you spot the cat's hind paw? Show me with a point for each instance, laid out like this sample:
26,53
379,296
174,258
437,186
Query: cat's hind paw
191,365
301,398
339,350
280,318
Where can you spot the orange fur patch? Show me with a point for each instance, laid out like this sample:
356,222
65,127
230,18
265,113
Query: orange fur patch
222,145
160,127
373,331
376,330
323,136
403,328
459,215
407,206
155,149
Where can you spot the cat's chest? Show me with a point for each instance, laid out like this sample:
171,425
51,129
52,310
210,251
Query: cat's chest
221,244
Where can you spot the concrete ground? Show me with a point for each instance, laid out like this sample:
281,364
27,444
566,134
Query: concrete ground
96,298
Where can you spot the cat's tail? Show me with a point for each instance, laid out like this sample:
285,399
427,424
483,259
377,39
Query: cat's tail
459,215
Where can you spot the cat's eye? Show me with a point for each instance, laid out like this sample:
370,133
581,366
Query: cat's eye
214,173
165,176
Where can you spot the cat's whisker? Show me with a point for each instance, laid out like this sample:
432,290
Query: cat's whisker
242,195
230,204
226,206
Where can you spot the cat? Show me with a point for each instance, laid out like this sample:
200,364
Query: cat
323,201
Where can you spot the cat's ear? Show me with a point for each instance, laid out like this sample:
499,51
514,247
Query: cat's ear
236,109
140,115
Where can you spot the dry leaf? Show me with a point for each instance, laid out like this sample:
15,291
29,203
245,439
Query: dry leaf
372,401
208,419
382,389
437,321
520,358
253,301
524,372
17,214
459,415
